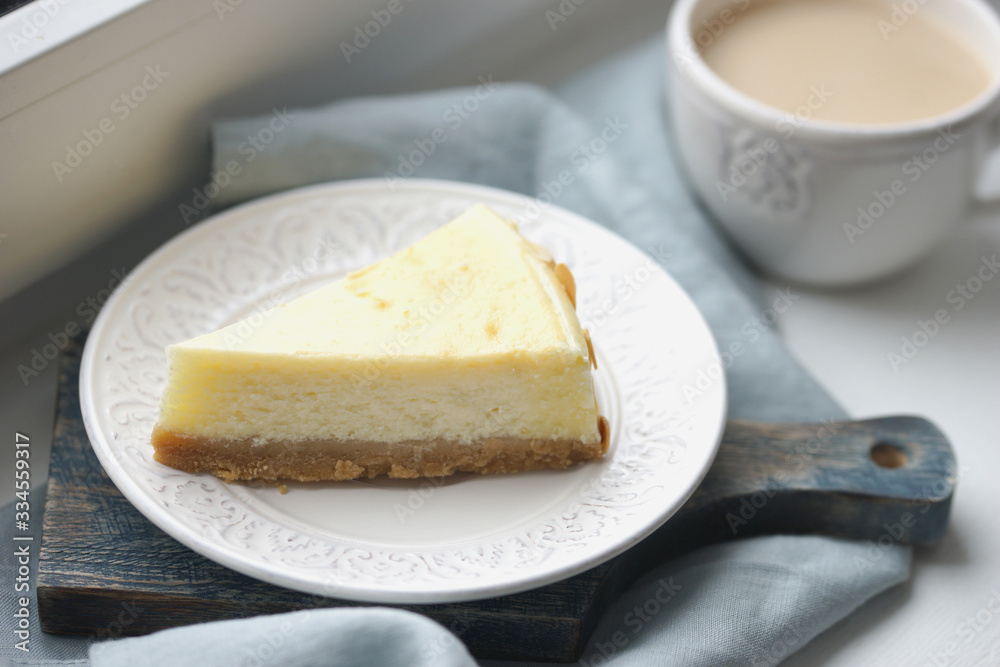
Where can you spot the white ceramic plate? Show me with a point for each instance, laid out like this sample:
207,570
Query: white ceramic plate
408,541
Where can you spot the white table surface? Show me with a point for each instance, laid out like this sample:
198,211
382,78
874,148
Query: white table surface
843,337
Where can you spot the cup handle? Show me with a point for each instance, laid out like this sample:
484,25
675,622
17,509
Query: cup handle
988,206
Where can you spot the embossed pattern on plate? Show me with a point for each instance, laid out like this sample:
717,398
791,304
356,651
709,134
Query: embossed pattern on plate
407,541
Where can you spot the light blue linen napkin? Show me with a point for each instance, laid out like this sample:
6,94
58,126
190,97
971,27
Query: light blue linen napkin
598,147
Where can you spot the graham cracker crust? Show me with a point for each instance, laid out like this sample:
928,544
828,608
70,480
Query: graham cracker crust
315,460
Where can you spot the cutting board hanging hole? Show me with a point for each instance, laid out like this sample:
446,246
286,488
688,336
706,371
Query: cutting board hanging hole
888,455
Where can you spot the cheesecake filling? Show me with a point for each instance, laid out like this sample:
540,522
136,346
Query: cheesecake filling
311,397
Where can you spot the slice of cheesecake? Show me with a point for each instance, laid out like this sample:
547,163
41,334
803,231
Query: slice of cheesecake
461,353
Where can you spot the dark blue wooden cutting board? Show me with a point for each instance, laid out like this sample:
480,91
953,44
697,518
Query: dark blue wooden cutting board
853,479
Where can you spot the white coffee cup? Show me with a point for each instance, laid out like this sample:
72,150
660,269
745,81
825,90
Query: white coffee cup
817,205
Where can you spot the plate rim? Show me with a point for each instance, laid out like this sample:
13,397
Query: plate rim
178,530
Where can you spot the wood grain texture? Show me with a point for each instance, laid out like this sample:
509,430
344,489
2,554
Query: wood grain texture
105,570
